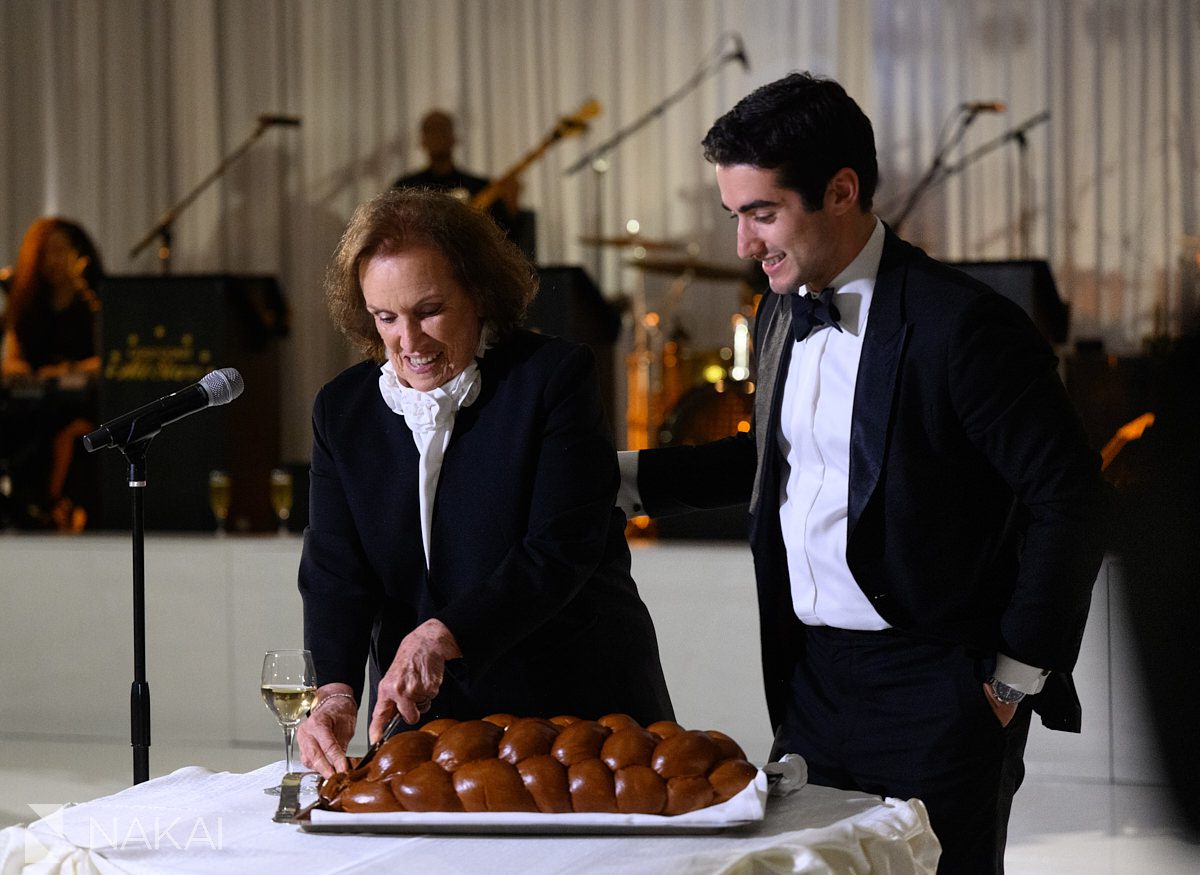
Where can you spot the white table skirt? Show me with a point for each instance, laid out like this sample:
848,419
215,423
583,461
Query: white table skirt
194,820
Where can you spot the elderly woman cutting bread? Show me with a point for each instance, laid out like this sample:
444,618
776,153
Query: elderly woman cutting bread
463,542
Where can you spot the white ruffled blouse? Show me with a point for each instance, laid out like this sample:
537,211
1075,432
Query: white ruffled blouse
430,417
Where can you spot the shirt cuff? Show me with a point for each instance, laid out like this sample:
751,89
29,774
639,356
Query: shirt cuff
1018,675
629,499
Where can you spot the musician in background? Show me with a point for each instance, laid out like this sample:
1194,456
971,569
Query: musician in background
50,343
438,141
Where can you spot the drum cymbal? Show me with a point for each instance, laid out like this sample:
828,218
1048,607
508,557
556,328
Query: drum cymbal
698,269
631,240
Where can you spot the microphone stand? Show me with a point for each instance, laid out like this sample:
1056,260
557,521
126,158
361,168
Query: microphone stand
592,158
655,111
162,228
934,173
131,434
139,693
1017,135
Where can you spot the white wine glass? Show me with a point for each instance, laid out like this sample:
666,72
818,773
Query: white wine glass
281,497
220,492
289,689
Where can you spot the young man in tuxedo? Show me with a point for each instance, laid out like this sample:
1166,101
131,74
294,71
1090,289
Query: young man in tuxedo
925,513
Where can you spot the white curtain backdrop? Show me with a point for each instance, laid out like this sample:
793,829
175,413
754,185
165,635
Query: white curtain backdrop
113,110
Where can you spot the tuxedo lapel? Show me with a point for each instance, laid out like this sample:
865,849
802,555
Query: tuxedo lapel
878,368
775,352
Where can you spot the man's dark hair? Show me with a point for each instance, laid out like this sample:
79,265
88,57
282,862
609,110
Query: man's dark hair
805,128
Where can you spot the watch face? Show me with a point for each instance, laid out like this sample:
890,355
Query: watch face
1004,693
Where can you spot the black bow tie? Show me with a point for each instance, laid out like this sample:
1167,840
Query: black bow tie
811,314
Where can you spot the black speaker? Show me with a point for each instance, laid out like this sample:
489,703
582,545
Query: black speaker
569,305
522,230
1030,284
161,334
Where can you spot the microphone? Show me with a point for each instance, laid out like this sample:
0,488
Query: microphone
740,53
218,387
267,120
984,106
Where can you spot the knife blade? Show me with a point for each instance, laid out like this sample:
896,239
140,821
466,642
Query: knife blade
388,731
289,797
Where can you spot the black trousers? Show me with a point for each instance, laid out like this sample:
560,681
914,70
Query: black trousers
891,715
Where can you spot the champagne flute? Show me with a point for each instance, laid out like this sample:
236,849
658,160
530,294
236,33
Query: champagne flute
289,689
281,497
220,491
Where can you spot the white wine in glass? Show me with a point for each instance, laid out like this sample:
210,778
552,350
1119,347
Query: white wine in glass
289,689
281,497
220,493
289,704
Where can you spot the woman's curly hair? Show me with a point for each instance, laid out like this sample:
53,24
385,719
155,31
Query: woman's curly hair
492,270
30,287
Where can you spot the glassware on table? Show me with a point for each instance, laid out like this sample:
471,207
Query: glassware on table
220,492
281,497
289,689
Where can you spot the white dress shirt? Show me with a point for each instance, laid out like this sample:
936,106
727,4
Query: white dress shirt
814,442
430,417
814,490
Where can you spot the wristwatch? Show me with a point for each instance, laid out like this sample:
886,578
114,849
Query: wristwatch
1005,694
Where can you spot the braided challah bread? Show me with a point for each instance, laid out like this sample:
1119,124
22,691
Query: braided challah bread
556,766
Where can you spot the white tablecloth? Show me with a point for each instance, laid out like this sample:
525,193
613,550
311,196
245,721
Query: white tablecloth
194,820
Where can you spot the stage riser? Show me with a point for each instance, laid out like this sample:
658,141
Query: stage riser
214,606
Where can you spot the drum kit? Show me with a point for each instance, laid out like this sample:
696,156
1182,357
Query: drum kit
678,394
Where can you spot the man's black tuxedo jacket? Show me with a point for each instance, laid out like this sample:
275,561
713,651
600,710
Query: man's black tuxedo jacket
975,508
529,564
